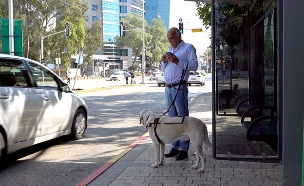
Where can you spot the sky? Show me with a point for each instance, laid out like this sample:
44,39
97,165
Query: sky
187,11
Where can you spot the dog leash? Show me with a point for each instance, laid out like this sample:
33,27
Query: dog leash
156,122
180,83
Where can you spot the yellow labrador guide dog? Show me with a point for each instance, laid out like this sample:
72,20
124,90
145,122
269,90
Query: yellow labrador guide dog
165,129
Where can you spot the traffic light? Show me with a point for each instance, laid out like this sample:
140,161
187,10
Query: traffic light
153,44
122,30
181,27
67,29
96,63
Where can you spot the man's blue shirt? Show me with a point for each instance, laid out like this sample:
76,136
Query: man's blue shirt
186,54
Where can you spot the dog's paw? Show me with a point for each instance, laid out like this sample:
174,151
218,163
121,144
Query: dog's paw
155,165
194,166
200,170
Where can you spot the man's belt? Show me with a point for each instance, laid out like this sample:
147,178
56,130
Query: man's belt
176,84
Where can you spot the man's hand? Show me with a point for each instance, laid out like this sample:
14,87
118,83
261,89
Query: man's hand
164,58
173,59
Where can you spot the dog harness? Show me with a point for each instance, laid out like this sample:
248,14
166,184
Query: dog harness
154,125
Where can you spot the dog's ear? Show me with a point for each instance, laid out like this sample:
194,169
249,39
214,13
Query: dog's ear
148,118
141,115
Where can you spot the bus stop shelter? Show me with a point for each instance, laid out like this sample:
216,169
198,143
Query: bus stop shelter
258,89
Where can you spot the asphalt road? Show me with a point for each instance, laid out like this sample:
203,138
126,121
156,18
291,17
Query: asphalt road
113,124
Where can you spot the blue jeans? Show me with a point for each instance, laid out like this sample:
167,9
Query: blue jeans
180,108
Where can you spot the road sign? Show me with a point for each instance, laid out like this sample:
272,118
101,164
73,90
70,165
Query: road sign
197,30
18,38
180,19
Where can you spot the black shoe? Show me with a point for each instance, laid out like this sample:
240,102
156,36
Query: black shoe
182,155
173,152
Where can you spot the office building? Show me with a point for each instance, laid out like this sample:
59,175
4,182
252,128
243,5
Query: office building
156,8
111,12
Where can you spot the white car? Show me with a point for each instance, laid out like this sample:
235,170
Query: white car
155,75
196,77
36,105
160,80
117,76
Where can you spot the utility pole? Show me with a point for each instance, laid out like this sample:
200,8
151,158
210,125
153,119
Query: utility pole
144,47
11,27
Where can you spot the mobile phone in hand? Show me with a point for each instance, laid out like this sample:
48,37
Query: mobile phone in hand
169,54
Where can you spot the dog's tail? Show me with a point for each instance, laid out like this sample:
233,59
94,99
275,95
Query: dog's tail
206,139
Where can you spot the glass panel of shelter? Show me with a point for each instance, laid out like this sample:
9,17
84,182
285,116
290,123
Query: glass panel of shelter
245,71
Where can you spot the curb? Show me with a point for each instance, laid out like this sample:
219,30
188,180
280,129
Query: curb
107,165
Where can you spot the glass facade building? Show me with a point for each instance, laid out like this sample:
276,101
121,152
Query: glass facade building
111,12
155,8
110,16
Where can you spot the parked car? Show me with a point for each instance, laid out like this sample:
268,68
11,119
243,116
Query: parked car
196,77
154,75
161,79
117,76
36,105
203,72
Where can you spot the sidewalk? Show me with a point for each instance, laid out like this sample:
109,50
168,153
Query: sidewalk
132,166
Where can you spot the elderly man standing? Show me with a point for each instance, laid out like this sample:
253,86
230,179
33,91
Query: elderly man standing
176,63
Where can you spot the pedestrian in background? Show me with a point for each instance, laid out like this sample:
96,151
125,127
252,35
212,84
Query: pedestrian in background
132,77
127,75
69,77
176,64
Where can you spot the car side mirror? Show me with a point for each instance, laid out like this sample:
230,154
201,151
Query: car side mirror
66,88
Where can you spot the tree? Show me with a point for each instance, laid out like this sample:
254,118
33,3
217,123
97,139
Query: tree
73,13
159,36
133,37
204,12
229,22
93,40
41,18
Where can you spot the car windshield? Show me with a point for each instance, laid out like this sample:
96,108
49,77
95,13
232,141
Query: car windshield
157,74
193,73
117,73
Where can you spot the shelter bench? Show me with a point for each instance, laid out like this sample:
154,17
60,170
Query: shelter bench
263,127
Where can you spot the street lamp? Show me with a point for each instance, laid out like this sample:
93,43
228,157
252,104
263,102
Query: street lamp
67,33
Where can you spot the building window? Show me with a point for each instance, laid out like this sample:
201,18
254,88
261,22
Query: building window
122,0
94,7
123,9
94,18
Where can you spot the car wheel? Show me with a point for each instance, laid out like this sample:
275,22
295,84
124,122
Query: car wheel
189,84
2,146
79,125
159,84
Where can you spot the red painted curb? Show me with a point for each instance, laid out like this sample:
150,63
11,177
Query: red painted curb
103,168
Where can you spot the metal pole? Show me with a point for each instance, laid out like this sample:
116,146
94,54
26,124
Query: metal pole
41,49
11,27
41,43
207,64
143,37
